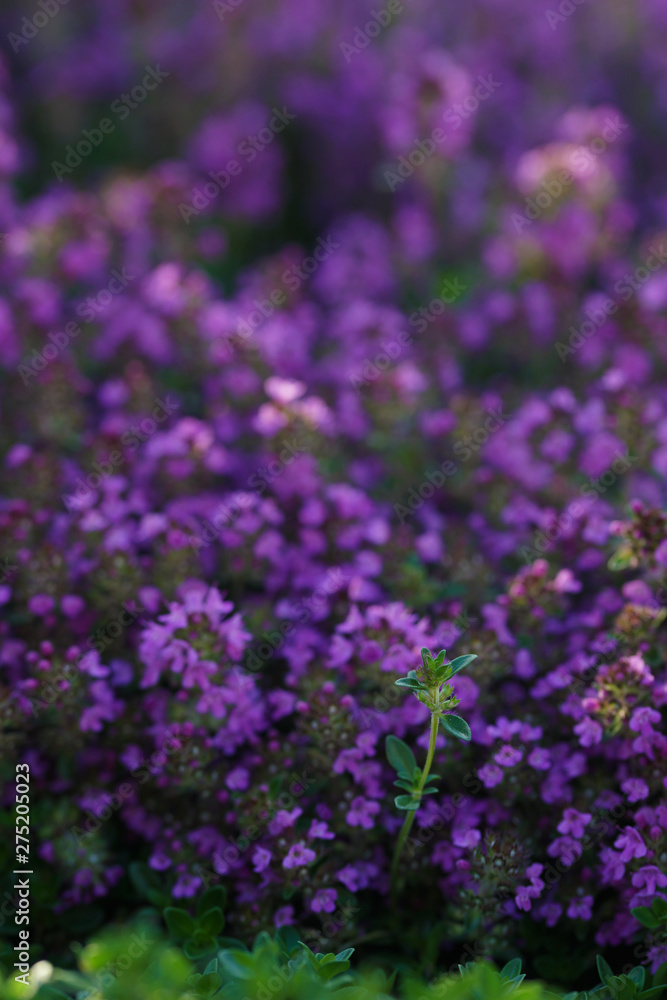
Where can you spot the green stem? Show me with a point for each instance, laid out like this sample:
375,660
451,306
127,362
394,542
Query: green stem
410,816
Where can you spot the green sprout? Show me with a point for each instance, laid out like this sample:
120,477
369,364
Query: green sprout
430,684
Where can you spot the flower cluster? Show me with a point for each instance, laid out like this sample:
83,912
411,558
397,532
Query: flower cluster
258,454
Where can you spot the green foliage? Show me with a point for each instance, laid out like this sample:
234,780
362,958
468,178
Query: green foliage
431,688
200,934
134,963
653,917
400,756
430,685
630,986
457,726
482,981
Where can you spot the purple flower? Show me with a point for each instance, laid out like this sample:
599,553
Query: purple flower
508,756
357,876
238,779
565,848
636,789
261,859
490,775
298,855
319,830
466,837
550,912
186,886
324,901
540,759
574,822
361,812
658,953
643,718
283,916
649,879
40,604
283,820
159,861
581,908
631,844
589,732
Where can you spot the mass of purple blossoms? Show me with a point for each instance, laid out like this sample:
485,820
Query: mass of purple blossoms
343,344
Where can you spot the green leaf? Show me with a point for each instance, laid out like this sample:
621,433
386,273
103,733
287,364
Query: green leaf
216,896
457,726
512,969
399,755
342,956
207,985
230,942
660,977
405,785
638,975
275,785
659,907
288,937
604,970
621,987
332,969
406,802
237,964
645,917
199,946
408,682
148,884
211,922
427,659
460,662
211,967
622,559
179,922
